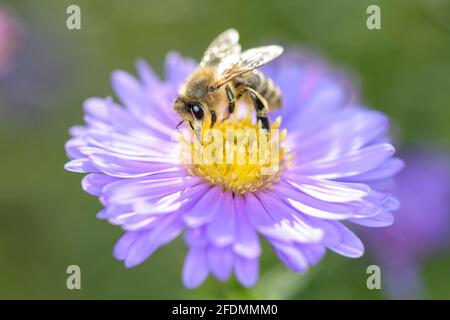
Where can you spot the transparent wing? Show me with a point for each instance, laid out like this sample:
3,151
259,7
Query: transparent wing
226,44
237,64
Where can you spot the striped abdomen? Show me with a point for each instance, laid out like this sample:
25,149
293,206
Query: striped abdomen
263,85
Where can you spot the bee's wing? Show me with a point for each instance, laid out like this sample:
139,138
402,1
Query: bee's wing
237,64
226,44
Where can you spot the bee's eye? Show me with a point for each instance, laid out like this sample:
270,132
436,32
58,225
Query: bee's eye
197,111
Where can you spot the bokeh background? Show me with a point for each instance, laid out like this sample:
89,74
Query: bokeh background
47,222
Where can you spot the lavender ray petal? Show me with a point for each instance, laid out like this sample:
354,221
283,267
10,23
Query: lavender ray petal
246,270
220,261
195,269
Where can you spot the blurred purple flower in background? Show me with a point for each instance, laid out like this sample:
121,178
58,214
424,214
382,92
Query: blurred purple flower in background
421,224
32,60
337,155
11,34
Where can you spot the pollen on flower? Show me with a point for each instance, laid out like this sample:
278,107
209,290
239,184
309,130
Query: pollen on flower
237,154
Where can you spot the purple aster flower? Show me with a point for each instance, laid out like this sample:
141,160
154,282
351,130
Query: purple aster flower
334,156
422,223
10,41
29,51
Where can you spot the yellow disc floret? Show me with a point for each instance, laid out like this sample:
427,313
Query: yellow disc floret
237,154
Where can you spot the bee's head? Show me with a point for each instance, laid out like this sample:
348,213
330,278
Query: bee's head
189,111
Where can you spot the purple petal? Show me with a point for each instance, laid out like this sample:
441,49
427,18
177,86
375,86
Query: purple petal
121,144
137,100
73,148
196,238
114,211
122,168
383,219
135,222
330,191
83,165
124,243
147,75
357,162
177,69
246,243
95,182
167,230
105,115
291,256
349,246
97,108
181,200
161,94
247,271
195,269
286,215
268,223
77,131
205,209
313,253
324,100
383,199
220,261
386,170
221,231
351,129
143,189
391,203
324,210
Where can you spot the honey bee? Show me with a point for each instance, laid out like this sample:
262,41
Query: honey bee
226,75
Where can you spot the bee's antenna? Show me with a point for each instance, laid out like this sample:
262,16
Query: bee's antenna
179,124
179,99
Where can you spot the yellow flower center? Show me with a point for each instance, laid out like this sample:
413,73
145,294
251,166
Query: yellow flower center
236,154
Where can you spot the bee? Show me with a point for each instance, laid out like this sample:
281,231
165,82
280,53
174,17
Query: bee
225,76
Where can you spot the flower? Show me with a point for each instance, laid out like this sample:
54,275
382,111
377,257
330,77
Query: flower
10,41
422,223
332,158
30,51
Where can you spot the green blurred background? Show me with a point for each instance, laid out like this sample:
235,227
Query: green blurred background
47,222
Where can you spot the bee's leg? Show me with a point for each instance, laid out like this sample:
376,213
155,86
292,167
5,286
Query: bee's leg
213,118
197,129
260,106
179,124
231,101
